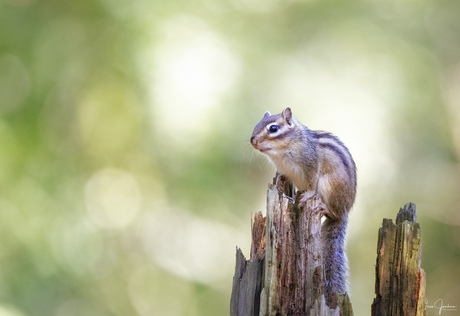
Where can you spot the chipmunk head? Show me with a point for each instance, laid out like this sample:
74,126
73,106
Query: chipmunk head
271,134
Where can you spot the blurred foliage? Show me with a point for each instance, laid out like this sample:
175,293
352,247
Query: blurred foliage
126,176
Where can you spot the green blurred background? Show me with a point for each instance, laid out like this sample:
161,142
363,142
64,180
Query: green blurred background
126,174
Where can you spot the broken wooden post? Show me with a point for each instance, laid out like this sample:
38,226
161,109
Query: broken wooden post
400,281
248,277
284,275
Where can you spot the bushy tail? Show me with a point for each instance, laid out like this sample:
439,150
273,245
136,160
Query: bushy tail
334,234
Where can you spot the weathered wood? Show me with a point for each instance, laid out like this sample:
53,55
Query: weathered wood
247,280
400,281
291,252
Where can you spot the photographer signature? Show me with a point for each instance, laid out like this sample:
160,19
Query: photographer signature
439,305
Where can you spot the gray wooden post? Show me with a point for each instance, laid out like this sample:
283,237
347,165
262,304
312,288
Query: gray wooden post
284,274
400,281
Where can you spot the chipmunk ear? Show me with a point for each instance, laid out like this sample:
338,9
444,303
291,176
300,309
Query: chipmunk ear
287,115
267,114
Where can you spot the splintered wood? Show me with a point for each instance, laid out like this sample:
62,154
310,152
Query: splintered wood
284,275
400,281
248,277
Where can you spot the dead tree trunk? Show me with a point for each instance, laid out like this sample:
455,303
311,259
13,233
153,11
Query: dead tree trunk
248,278
400,281
284,275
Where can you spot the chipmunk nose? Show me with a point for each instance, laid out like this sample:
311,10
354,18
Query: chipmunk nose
254,143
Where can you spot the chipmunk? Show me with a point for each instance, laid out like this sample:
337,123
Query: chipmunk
318,163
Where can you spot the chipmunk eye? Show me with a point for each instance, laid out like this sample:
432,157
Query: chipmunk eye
273,129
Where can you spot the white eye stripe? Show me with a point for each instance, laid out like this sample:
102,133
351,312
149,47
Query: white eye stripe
280,130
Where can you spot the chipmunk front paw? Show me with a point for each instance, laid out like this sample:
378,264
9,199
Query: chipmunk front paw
313,200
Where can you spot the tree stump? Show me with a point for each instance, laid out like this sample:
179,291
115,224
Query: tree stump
284,275
400,281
